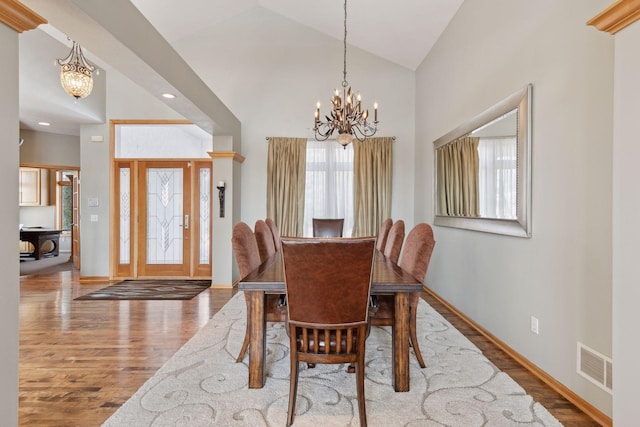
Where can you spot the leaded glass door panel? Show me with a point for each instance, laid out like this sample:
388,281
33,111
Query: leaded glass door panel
164,219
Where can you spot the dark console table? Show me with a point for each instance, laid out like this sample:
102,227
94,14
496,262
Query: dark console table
37,236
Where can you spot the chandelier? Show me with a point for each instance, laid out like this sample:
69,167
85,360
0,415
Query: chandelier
76,73
346,116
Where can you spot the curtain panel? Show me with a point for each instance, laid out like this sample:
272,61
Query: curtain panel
372,170
458,176
286,183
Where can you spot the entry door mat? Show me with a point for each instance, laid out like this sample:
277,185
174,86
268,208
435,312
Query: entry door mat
149,290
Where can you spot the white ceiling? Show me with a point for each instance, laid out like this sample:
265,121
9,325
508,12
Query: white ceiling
401,32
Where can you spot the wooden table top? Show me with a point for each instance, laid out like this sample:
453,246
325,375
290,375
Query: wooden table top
387,277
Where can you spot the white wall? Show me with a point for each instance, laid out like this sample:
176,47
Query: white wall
626,227
43,148
10,289
562,275
271,71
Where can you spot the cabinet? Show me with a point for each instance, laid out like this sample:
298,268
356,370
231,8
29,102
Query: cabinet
32,189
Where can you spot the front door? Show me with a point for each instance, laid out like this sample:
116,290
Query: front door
164,214
163,218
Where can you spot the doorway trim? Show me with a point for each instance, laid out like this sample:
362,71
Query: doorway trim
114,238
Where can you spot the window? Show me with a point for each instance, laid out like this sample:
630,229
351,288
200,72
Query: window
65,199
328,184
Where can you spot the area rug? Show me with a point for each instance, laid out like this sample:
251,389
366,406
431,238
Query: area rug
149,289
201,385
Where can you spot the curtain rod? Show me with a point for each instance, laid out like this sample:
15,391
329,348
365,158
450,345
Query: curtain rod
269,137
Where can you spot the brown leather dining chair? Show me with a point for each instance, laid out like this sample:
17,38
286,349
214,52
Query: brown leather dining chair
282,299
328,283
383,234
274,231
245,249
395,238
328,227
415,261
264,237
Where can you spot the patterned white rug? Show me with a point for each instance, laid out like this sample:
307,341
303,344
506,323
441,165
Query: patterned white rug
201,385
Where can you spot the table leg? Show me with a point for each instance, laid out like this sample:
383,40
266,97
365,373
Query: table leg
38,251
401,342
257,339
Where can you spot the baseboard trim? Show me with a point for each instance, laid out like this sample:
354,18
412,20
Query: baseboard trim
593,412
93,279
221,285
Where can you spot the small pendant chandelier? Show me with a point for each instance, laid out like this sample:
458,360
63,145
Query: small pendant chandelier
346,116
76,73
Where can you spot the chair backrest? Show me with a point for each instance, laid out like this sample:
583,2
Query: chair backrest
264,237
245,248
383,234
394,241
274,231
328,227
328,280
417,251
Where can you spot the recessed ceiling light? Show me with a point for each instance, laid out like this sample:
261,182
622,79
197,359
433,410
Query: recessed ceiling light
44,124
168,95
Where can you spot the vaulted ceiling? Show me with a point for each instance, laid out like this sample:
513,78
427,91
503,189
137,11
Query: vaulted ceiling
401,32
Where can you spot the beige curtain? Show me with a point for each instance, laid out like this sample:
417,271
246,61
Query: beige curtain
286,165
371,184
458,177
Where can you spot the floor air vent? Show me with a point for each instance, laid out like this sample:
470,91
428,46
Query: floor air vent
595,367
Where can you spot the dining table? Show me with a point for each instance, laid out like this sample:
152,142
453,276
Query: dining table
387,278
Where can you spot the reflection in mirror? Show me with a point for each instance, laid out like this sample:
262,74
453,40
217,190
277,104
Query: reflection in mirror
482,170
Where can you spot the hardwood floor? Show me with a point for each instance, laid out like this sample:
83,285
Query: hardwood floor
81,360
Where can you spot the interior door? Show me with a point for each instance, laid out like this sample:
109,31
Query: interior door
164,221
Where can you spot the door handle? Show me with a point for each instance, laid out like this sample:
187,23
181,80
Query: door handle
186,222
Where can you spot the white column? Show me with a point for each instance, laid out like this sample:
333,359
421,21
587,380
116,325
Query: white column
226,168
9,257
626,227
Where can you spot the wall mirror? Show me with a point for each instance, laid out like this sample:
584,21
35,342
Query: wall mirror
483,170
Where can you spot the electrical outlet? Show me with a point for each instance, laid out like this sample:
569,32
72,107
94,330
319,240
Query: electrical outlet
534,325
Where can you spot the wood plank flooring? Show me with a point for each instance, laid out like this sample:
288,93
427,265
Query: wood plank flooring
81,360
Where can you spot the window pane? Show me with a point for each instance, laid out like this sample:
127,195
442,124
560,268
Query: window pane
205,203
67,218
329,184
125,215
164,215
164,141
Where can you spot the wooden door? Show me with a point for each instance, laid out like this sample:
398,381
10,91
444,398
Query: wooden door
75,222
164,220
161,219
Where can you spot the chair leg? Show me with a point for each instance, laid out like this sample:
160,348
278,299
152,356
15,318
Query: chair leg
245,343
293,386
245,346
414,337
360,390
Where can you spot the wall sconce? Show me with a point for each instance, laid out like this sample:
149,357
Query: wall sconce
221,197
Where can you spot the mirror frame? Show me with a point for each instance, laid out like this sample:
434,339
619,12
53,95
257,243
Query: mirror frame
521,226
